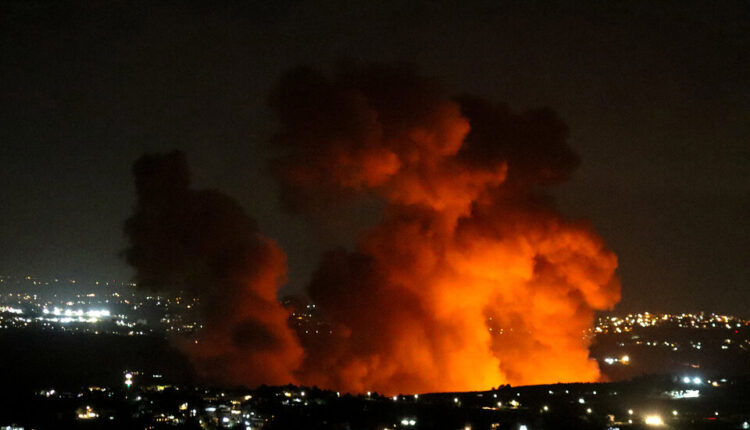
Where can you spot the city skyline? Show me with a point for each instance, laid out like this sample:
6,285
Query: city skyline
336,214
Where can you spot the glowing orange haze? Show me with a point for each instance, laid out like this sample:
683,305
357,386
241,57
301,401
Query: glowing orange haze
470,280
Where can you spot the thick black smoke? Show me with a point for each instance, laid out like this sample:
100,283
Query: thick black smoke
203,245
471,278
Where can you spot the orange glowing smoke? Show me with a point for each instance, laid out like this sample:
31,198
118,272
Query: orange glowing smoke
471,279
202,244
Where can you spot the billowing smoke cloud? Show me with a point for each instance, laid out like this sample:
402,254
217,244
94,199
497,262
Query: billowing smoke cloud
472,278
202,244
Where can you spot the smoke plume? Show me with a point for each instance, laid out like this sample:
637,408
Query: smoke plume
471,279
203,245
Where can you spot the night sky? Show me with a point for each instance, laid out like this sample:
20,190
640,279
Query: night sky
656,96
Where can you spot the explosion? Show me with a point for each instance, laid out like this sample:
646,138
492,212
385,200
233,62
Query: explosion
202,244
470,279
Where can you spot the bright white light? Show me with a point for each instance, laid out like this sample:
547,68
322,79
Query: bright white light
416,396
630,412
455,400
523,427
625,359
746,425
690,394
581,401
654,420
404,422
395,398
686,380
588,411
225,420
697,381
94,313
674,413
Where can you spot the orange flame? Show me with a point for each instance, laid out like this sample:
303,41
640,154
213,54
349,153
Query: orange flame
471,279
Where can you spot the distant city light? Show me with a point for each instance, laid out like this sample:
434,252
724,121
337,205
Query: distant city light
684,394
654,420
87,414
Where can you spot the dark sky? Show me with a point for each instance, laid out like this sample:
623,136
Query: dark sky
656,95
